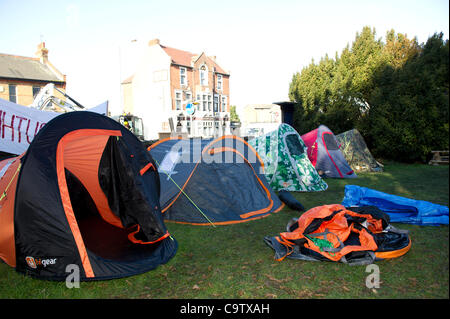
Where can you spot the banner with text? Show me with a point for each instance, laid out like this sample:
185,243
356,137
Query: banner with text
19,124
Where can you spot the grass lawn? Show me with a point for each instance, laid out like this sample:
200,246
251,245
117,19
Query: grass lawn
234,262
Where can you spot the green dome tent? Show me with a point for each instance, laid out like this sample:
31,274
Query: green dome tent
286,163
355,151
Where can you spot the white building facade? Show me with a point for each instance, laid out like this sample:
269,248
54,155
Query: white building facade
260,119
177,91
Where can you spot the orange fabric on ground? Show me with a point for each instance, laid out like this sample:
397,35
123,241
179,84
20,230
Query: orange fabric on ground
337,225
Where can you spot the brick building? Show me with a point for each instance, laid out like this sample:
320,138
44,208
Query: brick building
21,77
166,81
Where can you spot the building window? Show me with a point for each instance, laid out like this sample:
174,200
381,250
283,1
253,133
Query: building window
198,100
183,78
216,103
188,125
178,100
224,103
188,97
219,81
203,75
36,90
12,93
209,102
204,102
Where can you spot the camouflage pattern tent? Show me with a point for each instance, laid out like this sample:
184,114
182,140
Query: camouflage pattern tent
286,163
355,151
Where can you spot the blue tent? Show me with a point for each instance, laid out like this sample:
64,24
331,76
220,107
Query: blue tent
212,181
400,209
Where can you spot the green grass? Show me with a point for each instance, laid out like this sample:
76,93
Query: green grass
234,262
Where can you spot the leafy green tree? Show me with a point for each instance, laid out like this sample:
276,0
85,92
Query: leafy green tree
234,117
395,93
411,103
399,49
335,92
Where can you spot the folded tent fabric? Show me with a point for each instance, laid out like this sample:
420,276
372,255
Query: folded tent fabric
335,233
400,209
290,201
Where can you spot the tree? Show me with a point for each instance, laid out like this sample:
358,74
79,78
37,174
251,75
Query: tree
399,49
395,93
234,117
411,103
335,92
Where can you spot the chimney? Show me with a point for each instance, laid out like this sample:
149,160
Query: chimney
42,53
153,42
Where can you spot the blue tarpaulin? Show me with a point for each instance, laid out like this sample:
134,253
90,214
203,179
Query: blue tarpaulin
400,209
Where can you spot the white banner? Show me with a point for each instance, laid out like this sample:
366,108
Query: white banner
19,124
100,109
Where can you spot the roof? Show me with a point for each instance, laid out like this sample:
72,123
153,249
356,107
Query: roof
186,58
286,106
261,106
128,79
26,68
179,56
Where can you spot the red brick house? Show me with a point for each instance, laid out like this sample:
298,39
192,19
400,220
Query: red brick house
169,79
21,77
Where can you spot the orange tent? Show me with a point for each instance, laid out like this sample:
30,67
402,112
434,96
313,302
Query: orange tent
85,193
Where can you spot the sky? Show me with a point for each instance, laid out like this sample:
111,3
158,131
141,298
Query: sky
262,44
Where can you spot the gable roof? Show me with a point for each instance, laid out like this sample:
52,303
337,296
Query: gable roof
179,56
26,68
186,58
128,79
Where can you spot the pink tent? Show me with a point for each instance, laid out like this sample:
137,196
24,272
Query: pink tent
325,155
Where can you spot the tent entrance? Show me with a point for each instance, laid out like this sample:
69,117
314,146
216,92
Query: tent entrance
331,145
100,237
95,226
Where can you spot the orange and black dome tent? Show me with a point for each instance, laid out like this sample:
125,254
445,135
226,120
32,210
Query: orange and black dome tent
212,181
85,193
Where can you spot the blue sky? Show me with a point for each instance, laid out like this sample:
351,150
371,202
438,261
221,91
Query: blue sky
262,43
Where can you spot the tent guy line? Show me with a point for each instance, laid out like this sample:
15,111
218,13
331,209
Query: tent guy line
195,205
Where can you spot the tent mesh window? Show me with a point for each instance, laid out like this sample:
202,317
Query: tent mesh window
294,145
330,142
